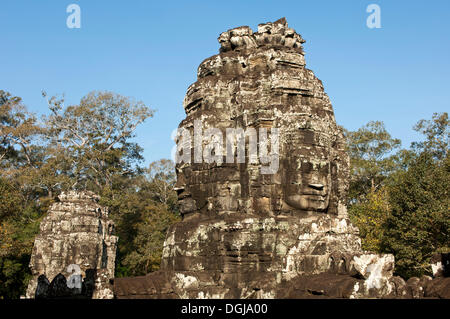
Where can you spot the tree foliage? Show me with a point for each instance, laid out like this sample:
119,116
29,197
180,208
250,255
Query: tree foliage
18,130
419,224
370,217
437,136
372,160
142,216
409,214
94,137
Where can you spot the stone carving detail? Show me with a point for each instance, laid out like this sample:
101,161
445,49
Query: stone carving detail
246,234
74,253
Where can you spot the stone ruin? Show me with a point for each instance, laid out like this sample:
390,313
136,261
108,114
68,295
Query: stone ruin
267,224
249,234
74,254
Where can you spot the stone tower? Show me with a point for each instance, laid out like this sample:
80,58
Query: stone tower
259,81
264,215
74,254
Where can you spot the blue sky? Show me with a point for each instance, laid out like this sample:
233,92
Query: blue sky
151,49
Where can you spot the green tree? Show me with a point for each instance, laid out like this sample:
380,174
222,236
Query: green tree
142,215
19,131
370,217
20,208
437,134
419,223
19,223
95,138
371,163
371,159
161,179
149,240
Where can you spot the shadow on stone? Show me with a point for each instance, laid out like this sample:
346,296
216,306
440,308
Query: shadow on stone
59,288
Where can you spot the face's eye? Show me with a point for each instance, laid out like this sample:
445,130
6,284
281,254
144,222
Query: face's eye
324,167
307,167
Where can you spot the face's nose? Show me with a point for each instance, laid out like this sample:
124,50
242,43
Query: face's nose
180,183
178,189
181,191
316,186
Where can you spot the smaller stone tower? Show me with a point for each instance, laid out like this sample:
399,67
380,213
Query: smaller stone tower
74,254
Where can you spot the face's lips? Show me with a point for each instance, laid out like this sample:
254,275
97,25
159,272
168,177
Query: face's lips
316,198
311,202
313,193
187,205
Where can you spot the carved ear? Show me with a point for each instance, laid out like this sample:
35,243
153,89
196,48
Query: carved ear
334,188
340,171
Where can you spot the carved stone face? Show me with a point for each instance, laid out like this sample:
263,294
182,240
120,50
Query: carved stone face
185,201
307,185
250,85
